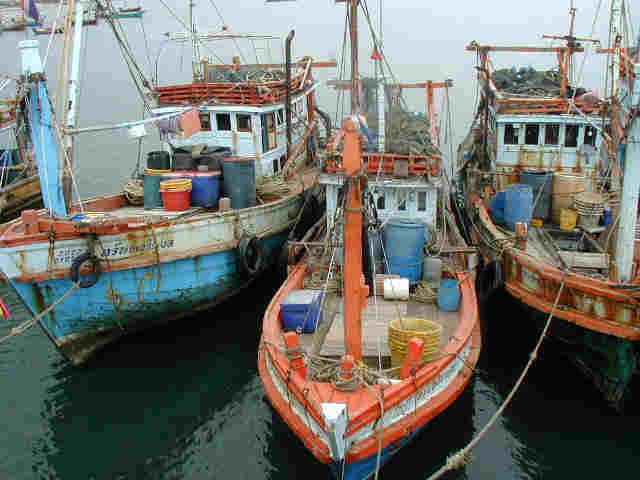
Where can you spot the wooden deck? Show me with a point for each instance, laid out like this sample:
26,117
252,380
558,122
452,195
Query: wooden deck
375,324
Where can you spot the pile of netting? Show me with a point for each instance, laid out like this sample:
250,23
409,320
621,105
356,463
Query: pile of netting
244,74
405,132
531,82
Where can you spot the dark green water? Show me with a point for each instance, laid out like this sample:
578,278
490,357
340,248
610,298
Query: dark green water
186,402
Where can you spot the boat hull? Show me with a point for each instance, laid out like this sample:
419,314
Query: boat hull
601,323
150,273
286,392
126,301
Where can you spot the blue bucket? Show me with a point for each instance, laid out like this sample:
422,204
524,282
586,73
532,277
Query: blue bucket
205,188
404,241
449,295
518,205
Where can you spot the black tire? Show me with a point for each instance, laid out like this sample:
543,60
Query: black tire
75,269
251,253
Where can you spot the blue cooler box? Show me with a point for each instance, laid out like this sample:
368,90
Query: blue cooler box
298,306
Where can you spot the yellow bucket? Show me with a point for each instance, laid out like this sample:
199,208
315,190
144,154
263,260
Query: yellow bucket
568,219
177,185
401,330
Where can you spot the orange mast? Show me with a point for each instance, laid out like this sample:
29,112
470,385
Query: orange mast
355,290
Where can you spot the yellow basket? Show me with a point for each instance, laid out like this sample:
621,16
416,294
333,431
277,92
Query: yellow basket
401,330
176,185
568,219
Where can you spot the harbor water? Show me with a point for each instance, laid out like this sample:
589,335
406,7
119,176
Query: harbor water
185,401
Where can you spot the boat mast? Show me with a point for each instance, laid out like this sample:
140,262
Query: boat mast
625,241
355,292
70,104
195,49
355,75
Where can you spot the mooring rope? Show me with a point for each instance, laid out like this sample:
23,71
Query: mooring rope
29,323
461,457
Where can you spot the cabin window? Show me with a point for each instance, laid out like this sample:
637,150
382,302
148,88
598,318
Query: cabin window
276,166
531,134
422,201
380,202
571,136
510,134
244,123
402,201
590,135
205,121
269,138
552,134
280,117
223,122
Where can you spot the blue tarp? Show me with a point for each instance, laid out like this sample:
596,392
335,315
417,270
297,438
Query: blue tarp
46,150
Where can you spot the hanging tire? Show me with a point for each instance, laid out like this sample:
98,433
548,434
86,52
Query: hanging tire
251,255
75,269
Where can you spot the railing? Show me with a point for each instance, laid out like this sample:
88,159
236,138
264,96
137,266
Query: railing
247,93
386,163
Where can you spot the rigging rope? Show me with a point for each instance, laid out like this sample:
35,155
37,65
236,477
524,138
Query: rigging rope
29,323
461,457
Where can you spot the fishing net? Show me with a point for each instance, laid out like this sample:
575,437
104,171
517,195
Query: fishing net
243,75
406,132
530,82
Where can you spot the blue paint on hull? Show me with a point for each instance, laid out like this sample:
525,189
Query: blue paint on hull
125,301
367,467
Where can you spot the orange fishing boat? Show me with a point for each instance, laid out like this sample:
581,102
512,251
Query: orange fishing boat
547,198
358,351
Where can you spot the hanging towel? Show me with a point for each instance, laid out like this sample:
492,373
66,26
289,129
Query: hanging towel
190,123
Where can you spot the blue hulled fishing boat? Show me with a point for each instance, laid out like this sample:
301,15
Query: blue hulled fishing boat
100,268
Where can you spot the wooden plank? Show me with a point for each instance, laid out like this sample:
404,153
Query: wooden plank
585,259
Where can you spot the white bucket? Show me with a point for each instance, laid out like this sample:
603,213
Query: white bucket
396,289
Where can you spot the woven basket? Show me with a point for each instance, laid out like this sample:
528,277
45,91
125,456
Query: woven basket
401,330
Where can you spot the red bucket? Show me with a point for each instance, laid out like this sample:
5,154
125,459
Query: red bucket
177,200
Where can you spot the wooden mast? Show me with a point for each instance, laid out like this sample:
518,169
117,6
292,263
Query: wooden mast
355,292
355,74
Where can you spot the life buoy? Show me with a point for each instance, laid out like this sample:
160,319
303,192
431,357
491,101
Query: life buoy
75,269
251,253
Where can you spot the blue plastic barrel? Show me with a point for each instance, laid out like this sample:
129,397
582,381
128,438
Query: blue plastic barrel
404,241
449,295
539,180
205,190
518,205
239,181
496,204
151,187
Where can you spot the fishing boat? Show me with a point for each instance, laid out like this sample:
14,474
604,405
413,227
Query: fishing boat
46,30
369,339
97,269
549,193
17,18
108,10
19,181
